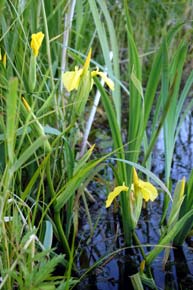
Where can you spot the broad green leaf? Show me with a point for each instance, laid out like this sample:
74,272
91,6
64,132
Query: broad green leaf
177,202
48,237
137,83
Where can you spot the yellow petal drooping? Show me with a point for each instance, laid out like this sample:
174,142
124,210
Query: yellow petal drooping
112,195
36,41
108,81
71,79
148,191
87,61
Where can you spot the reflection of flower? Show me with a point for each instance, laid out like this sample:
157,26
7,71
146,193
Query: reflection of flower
148,191
36,41
117,190
71,79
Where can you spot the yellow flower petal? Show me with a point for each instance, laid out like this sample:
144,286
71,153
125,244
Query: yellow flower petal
135,177
112,195
87,61
71,79
36,41
148,191
107,80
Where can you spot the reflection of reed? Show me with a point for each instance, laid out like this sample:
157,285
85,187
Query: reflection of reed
183,275
127,268
183,155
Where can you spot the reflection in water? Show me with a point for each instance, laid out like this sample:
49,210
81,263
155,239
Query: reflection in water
184,269
183,157
183,153
113,274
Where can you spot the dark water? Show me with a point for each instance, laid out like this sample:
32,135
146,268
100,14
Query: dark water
113,273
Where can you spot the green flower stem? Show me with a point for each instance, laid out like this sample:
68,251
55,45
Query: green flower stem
128,223
137,241
32,73
126,218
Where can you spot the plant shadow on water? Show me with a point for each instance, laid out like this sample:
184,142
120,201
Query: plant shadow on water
114,271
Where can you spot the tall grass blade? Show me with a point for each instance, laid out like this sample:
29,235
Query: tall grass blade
48,237
28,153
72,185
106,48
115,51
12,117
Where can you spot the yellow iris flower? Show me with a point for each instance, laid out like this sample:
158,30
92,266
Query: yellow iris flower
71,79
112,195
148,191
36,42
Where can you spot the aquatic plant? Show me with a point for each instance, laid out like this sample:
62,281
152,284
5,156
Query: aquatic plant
48,82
